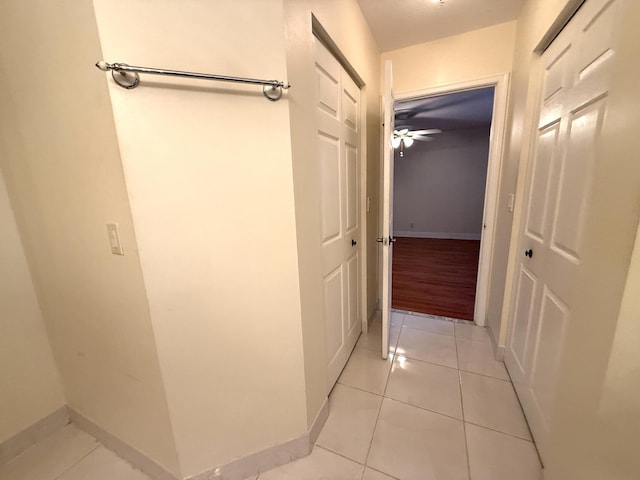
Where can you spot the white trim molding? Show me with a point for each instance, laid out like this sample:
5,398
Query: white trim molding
496,147
443,235
238,469
18,443
132,455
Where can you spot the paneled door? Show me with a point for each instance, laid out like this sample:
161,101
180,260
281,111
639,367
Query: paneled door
338,137
575,87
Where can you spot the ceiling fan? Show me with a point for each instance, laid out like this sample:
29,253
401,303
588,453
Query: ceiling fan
404,137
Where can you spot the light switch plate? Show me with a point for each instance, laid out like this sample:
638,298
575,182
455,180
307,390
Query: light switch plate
114,239
511,198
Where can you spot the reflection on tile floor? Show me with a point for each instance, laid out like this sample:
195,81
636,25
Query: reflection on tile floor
440,408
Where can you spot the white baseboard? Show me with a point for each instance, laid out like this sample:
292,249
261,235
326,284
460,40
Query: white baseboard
450,236
18,443
261,461
250,465
238,469
269,458
498,349
318,423
372,317
121,448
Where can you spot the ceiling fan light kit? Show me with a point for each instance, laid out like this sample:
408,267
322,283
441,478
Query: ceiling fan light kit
404,137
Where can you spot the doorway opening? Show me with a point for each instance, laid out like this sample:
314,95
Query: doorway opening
446,158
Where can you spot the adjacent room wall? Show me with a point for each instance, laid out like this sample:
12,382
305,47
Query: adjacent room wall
209,174
30,387
63,173
346,26
439,186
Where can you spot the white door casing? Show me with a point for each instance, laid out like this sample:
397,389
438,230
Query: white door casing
575,85
338,136
385,240
496,140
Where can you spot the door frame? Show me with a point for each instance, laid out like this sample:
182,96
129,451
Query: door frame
494,168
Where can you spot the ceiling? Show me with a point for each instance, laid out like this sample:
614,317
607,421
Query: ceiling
453,111
400,23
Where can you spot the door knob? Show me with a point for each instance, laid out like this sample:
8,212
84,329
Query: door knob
392,240
353,243
380,239
528,253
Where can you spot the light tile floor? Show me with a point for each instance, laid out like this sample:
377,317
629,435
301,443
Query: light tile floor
440,408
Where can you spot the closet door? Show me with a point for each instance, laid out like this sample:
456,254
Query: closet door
575,87
338,157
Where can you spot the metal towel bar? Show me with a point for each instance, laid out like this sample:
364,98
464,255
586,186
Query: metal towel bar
127,77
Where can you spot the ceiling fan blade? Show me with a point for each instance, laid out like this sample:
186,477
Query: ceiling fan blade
429,131
401,132
422,139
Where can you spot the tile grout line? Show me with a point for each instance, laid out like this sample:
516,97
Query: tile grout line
382,473
500,431
375,425
327,449
425,409
360,389
526,420
98,445
464,423
452,368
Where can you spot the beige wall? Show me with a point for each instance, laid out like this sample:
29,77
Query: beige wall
460,58
439,186
347,28
209,176
30,387
63,173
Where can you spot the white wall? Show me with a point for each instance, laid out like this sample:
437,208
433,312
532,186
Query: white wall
439,186
63,173
30,387
209,176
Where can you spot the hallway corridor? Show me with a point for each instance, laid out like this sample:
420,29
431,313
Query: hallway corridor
440,408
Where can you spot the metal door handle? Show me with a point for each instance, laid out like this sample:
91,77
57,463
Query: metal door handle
392,240
528,253
380,239
353,243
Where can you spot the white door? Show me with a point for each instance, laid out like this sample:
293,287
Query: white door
338,134
386,240
575,85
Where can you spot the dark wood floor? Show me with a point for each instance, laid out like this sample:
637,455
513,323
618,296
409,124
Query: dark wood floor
435,276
